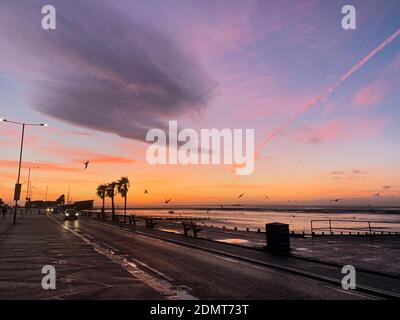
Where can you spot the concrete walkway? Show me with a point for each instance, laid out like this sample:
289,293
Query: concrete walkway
81,272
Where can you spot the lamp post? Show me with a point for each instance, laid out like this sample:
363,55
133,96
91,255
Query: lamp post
17,190
28,186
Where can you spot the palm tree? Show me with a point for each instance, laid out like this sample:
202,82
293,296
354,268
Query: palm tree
123,187
101,192
110,191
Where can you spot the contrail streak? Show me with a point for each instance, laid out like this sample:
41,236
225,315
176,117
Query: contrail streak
328,91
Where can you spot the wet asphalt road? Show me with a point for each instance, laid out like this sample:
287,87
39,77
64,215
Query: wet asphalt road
205,275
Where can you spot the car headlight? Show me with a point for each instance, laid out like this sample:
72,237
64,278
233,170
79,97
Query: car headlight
77,214
67,214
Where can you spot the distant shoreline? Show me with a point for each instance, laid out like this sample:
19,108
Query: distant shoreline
305,209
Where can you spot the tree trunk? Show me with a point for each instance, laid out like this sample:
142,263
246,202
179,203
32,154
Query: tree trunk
125,209
102,209
112,209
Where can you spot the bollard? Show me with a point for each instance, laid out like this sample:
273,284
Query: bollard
196,230
247,229
132,222
185,228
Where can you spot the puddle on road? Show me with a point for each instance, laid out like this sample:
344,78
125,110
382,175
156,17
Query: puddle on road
169,230
233,241
302,249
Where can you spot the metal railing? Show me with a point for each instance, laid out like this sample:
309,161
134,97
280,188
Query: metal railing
353,227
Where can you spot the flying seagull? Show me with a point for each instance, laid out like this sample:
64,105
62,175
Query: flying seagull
377,195
145,191
336,200
241,195
266,197
167,201
86,164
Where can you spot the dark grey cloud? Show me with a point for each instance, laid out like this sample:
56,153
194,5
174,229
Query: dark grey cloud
99,70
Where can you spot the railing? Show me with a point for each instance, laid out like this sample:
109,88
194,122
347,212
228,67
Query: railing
177,217
353,227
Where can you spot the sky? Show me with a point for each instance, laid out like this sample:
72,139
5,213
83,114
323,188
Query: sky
111,71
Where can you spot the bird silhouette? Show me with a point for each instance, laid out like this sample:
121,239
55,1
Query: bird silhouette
86,164
167,201
241,195
145,191
336,200
266,197
377,195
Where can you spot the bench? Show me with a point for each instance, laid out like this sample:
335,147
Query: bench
132,222
191,226
150,222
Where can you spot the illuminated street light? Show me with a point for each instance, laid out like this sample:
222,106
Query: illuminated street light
17,190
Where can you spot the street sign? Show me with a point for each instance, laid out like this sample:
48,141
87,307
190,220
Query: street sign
17,191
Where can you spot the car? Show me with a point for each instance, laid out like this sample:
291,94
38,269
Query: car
71,214
52,210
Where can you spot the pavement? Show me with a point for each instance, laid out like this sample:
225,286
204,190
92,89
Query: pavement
98,260
81,272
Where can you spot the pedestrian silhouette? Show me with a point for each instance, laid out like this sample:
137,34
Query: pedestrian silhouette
4,211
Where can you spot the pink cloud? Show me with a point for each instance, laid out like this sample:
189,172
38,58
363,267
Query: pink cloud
78,155
345,128
370,95
45,166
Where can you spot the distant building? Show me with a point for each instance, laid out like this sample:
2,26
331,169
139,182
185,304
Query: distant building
79,205
43,204
83,205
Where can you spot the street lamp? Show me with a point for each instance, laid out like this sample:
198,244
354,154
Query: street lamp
17,190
